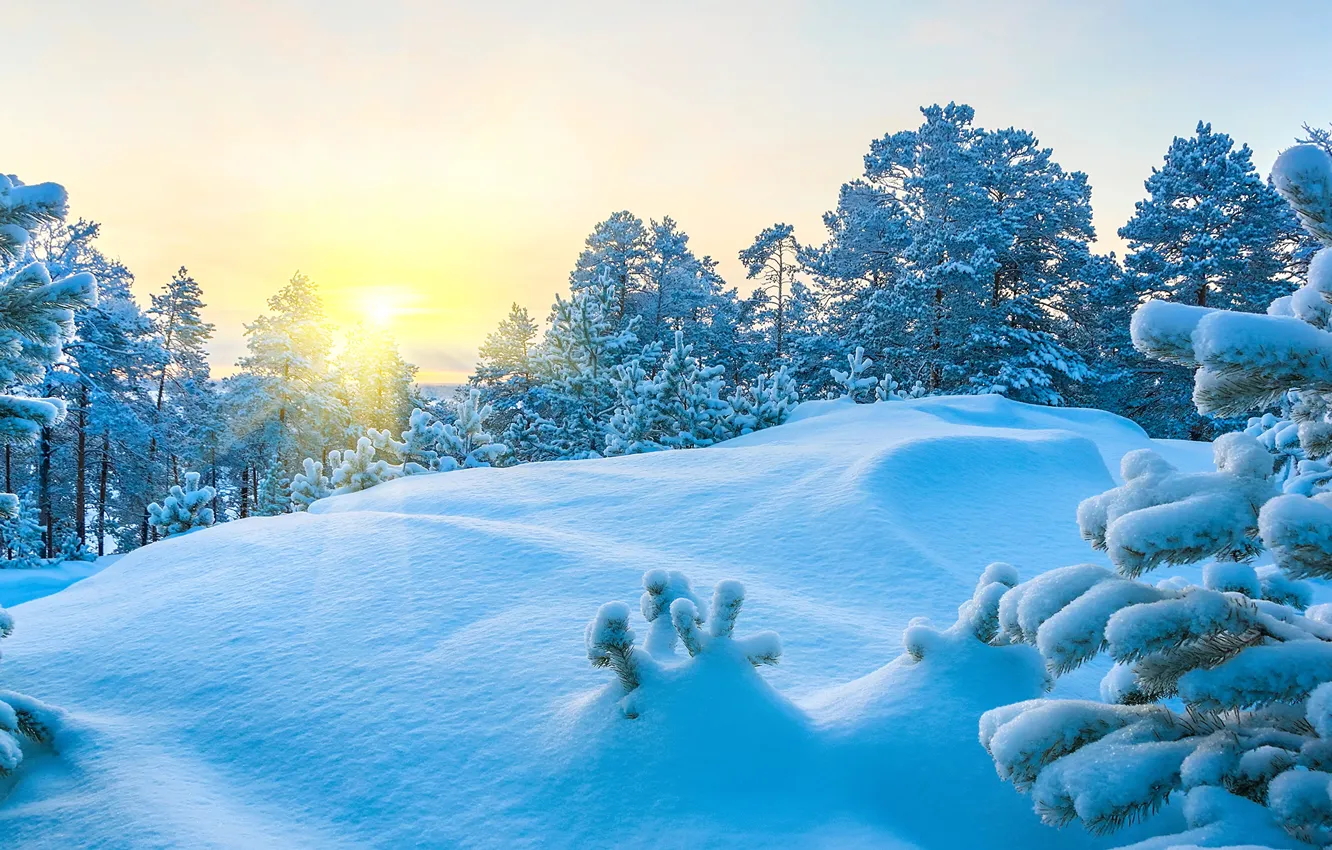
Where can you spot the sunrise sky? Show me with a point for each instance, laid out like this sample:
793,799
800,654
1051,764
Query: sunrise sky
427,163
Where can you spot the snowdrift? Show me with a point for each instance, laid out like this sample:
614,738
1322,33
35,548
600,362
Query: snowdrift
405,666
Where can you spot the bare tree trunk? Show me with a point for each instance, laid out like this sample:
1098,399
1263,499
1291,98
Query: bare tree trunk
101,493
9,488
45,451
245,492
81,469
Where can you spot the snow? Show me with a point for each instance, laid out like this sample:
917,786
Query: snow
405,665
23,585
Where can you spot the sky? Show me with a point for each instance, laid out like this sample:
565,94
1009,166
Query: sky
429,163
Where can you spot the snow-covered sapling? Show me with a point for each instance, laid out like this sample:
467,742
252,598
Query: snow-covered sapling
853,381
22,718
357,469
309,485
184,509
660,590
728,597
668,602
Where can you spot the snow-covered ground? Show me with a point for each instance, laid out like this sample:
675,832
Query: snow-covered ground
405,666
23,585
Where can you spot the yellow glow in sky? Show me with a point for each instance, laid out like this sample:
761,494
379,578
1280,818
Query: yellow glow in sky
428,163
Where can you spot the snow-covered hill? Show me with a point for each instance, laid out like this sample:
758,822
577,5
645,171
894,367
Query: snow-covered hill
405,666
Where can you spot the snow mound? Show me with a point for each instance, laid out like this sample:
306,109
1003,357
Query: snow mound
405,666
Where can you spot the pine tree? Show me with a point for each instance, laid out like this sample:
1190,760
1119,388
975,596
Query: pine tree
577,360
375,382
285,399
1209,234
505,368
688,398
614,257
185,508
774,258
274,496
958,256
465,441
669,602
23,537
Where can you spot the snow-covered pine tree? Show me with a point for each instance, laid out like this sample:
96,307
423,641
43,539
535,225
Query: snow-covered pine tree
465,441
633,426
185,508
422,443
22,717
23,536
530,436
36,314
577,361
1210,234
854,383
614,257
764,403
309,485
1250,667
669,601
688,399
957,256
505,367
273,496
357,469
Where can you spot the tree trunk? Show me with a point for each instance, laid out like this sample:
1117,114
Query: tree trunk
45,450
81,468
101,493
245,492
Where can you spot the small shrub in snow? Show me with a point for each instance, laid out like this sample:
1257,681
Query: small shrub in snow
184,508
22,718
670,606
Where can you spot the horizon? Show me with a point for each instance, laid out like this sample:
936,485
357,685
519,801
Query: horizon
429,166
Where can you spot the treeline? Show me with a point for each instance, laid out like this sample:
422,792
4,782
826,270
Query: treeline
960,261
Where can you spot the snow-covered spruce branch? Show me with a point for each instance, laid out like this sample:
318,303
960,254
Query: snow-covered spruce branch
669,605
22,718
1221,691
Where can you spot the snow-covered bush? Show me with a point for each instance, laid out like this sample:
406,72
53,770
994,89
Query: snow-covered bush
1221,691
309,485
670,606
184,508
22,718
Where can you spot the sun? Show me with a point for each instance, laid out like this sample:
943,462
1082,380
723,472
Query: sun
379,313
